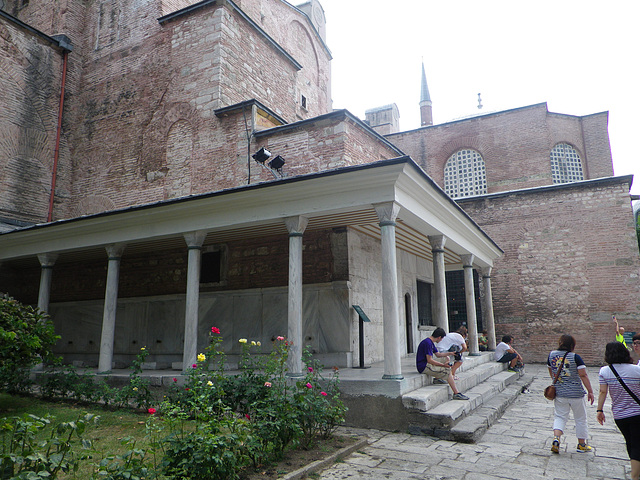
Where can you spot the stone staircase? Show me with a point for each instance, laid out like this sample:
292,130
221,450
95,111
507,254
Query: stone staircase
491,388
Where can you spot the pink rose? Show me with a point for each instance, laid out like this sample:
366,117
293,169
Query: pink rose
309,385
267,384
324,394
247,416
310,369
152,410
280,338
194,365
215,330
175,379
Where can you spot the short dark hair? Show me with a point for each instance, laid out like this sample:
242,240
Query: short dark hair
438,333
567,343
616,352
507,338
636,336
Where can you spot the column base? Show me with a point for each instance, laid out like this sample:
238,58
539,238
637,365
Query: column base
294,375
392,377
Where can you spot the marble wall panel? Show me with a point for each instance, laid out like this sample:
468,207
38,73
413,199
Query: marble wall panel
334,319
274,316
165,326
158,322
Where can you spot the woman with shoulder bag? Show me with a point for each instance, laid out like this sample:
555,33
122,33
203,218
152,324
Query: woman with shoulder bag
621,379
569,392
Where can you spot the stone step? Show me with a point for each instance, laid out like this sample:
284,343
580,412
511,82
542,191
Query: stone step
490,389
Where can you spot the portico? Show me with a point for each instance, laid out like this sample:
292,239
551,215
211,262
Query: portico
380,209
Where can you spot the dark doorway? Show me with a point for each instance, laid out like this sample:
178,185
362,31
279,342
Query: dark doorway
407,313
456,302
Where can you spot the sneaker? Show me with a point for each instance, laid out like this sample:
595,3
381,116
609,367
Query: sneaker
583,448
514,370
439,381
460,396
555,446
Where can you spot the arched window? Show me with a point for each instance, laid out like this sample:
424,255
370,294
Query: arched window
566,165
465,174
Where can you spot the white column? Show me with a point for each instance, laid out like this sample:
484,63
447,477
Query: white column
47,260
470,300
296,227
105,361
439,282
488,309
387,214
194,242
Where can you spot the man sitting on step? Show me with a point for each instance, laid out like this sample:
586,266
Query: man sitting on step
454,342
427,363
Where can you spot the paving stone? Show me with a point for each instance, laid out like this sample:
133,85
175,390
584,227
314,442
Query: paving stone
516,447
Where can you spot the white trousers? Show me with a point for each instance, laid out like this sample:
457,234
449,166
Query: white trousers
562,407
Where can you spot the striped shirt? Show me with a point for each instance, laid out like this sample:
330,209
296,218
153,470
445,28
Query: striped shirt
569,384
622,404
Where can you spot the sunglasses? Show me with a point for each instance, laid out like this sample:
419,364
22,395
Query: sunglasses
636,343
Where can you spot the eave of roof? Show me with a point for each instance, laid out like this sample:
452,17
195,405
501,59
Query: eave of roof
339,197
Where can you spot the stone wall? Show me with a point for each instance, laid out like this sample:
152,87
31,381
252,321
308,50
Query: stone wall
365,269
568,265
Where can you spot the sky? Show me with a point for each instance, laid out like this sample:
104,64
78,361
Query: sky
580,57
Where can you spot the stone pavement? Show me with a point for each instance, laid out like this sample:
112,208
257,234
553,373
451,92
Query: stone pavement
516,447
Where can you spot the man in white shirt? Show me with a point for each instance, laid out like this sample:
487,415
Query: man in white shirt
505,353
453,342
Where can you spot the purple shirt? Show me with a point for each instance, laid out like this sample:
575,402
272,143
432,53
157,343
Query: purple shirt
426,347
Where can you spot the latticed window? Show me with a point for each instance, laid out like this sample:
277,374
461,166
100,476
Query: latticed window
465,174
566,165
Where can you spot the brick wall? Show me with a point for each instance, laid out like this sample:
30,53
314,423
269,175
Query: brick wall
514,144
566,272
30,77
252,263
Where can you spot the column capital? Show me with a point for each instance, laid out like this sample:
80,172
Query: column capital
194,239
115,250
387,212
486,272
437,242
47,260
467,260
296,225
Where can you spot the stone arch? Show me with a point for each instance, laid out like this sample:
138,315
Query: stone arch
152,163
179,153
299,40
93,204
566,163
465,174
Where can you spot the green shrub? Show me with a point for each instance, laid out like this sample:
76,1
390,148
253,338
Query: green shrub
26,338
26,455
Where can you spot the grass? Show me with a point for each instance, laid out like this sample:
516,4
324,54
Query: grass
114,425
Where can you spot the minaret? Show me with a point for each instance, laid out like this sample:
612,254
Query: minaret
426,117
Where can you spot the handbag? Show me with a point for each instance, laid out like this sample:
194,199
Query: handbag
550,391
624,385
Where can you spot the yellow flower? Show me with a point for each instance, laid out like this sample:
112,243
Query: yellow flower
210,383
243,340
135,389
201,357
259,343
143,348
253,343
